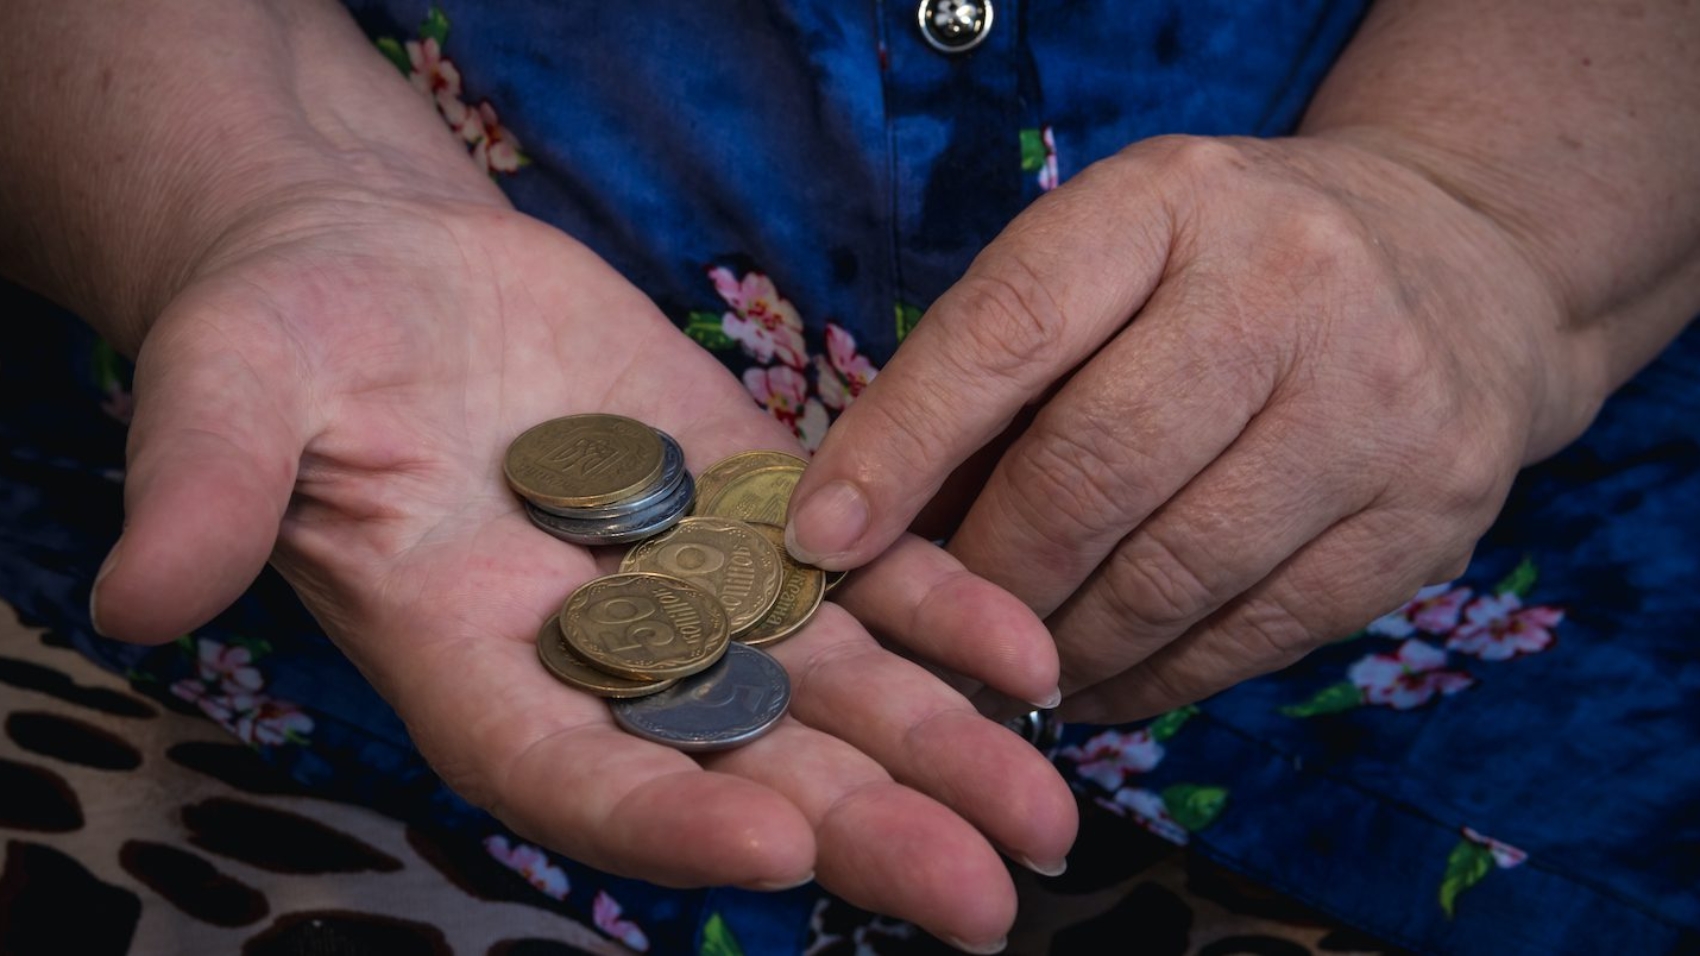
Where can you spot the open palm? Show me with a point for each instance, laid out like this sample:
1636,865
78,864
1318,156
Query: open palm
334,392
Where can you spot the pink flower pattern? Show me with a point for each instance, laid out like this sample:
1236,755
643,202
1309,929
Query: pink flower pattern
494,147
768,328
606,913
761,320
1108,758
229,690
1499,628
1434,610
530,862
1146,808
1505,856
1408,678
842,372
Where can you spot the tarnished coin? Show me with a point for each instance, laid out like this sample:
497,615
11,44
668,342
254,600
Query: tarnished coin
645,626
558,657
732,703
622,530
799,595
759,496
584,461
672,472
715,476
727,558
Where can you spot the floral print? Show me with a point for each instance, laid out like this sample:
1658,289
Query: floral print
1039,156
530,862
1496,626
494,147
1499,628
1109,757
762,321
1471,860
769,329
606,913
1408,678
227,687
1147,809
1434,610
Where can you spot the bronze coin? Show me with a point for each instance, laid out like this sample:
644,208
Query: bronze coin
759,496
715,476
570,669
584,461
645,626
727,558
799,596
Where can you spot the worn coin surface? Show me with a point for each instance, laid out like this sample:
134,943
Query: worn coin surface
759,496
645,626
672,472
725,557
624,529
799,595
715,476
732,703
559,658
584,461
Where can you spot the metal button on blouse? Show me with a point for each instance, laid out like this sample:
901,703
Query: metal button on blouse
955,26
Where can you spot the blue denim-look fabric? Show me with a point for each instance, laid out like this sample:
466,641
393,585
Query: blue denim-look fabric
826,147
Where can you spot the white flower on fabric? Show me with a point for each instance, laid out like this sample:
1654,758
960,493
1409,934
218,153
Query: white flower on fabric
1107,758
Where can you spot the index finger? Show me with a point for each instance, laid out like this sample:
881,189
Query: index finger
1033,305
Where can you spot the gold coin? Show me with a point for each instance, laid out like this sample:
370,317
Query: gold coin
584,461
727,558
715,476
760,496
558,657
799,596
645,626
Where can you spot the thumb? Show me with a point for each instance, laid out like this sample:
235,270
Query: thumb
213,451
1063,278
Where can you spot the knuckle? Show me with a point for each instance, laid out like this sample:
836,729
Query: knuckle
1268,636
1014,322
1077,469
1154,590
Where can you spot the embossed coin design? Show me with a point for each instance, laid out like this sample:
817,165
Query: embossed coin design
645,626
715,476
799,595
560,660
759,496
727,558
732,703
584,461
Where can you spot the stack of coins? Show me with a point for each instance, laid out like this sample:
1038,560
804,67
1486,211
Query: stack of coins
672,638
600,479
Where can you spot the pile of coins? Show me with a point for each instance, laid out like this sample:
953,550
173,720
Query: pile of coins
672,639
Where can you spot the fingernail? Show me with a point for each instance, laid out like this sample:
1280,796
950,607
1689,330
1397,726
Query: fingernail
1050,701
1054,869
94,589
984,949
778,886
827,524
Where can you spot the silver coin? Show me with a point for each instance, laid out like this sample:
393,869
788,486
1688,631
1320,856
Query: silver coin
1039,728
672,467
624,529
732,703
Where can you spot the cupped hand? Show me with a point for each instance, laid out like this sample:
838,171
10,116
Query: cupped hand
1264,391
339,382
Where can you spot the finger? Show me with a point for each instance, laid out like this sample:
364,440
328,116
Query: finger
921,598
1360,569
550,763
1263,500
1032,306
883,846
1151,411
928,737
213,452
